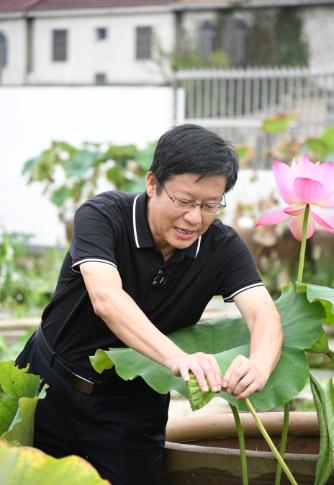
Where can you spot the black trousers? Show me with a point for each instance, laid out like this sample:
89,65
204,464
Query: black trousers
120,432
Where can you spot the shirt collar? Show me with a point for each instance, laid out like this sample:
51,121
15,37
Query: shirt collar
142,234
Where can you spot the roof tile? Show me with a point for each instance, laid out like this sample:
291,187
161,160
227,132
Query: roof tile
83,4
20,5
16,5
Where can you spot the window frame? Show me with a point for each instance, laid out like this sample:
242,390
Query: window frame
62,54
3,50
143,52
207,34
103,78
98,32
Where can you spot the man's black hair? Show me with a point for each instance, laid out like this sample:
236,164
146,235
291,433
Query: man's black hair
192,148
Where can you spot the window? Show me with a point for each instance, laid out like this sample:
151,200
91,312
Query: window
3,50
207,36
59,45
100,79
101,33
143,42
239,42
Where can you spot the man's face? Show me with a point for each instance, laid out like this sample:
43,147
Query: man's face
171,227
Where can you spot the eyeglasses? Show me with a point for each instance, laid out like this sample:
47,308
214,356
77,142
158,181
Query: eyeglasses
185,205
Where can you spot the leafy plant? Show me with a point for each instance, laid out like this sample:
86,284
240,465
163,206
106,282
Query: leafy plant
316,147
26,278
70,174
20,392
324,401
278,123
9,351
19,462
188,55
26,465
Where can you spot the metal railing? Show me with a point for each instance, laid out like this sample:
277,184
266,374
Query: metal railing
234,102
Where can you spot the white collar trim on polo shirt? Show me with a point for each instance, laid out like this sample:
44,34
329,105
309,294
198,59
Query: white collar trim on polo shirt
198,246
134,221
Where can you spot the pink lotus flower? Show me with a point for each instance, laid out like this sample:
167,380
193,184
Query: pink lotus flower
303,183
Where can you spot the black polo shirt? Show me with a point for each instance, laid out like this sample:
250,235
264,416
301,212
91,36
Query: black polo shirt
112,228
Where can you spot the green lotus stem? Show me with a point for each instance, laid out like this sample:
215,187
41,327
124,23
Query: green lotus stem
284,439
270,443
241,439
284,436
303,245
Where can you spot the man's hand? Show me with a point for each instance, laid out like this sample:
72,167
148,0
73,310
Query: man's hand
243,377
203,366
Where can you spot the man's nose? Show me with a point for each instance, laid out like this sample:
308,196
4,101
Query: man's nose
193,215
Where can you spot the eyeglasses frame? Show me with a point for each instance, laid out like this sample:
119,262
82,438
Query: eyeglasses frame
194,204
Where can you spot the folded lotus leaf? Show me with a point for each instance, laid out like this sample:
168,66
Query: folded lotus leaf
226,338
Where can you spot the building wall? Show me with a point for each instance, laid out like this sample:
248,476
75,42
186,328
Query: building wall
15,32
32,117
114,56
318,28
193,20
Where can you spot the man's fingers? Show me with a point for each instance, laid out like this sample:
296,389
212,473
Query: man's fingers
200,378
212,374
236,374
248,391
243,378
205,369
184,371
244,383
233,368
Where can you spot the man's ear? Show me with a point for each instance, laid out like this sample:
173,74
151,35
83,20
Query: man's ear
151,184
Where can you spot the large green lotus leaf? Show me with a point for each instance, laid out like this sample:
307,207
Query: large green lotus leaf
302,322
17,382
324,402
20,393
21,429
321,345
277,391
226,338
325,296
25,465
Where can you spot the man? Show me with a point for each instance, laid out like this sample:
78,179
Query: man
139,267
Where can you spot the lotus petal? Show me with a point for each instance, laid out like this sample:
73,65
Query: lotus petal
305,168
327,199
307,190
325,173
323,218
296,227
274,216
295,210
284,181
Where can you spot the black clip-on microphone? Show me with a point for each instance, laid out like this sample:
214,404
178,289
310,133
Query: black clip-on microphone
160,279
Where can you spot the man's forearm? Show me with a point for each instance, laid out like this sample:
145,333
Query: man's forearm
129,323
266,342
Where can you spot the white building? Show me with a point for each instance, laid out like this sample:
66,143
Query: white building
95,42
84,42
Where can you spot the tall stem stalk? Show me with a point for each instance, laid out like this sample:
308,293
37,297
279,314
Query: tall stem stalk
284,437
283,442
271,444
241,439
303,245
